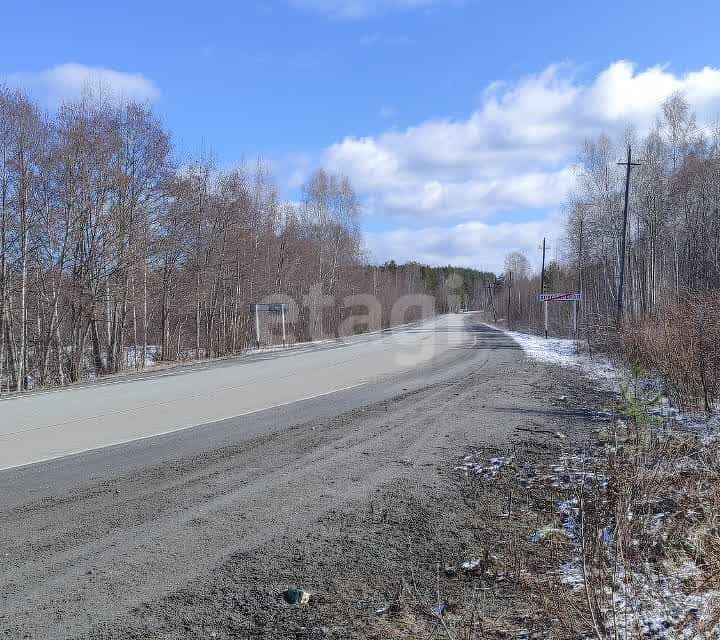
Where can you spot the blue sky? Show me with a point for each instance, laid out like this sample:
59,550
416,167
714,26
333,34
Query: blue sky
456,119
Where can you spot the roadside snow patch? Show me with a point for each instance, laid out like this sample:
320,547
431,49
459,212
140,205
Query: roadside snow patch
568,353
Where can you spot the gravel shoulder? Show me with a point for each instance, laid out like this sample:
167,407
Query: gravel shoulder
357,500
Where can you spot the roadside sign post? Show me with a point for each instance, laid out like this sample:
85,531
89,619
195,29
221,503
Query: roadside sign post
280,308
257,327
575,307
560,297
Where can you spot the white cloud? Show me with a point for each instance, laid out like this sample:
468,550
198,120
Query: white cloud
359,9
517,149
68,81
514,153
469,244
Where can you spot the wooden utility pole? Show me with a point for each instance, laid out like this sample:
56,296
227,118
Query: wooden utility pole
542,272
580,258
628,164
542,287
509,288
580,280
492,302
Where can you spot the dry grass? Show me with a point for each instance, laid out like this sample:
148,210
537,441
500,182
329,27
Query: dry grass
633,518
650,539
683,346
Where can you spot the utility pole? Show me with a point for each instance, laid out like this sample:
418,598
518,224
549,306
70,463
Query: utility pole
628,164
542,272
542,288
580,258
257,327
580,280
508,302
492,302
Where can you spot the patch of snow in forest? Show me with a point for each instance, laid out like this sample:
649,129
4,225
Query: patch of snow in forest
134,359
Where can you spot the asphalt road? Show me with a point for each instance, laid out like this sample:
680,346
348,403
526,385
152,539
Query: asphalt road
43,426
119,540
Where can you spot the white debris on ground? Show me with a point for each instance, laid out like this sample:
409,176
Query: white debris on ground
473,467
569,353
470,565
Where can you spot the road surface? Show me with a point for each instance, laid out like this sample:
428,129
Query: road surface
120,540
43,426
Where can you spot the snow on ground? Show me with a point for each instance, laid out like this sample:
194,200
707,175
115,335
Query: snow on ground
707,427
134,356
568,353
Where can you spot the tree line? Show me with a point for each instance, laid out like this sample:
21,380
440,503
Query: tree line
672,243
669,319
673,227
114,254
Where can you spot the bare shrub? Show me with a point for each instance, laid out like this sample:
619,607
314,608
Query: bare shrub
683,347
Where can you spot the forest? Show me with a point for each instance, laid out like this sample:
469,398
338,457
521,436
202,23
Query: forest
115,254
668,317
